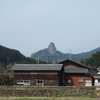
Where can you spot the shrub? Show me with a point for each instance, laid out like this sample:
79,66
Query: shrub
5,80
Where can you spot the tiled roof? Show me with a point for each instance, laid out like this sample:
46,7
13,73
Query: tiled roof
97,77
37,67
75,70
66,60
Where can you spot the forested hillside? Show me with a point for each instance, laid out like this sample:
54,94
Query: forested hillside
11,56
8,57
93,60
14,56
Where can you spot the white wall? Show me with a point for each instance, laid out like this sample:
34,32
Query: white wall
96,83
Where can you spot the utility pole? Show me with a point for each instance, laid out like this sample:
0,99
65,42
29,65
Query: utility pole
48,58
38,59
70,54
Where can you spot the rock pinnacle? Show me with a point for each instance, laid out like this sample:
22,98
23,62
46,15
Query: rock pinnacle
51,48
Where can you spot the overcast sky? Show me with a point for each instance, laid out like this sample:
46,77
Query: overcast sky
30,25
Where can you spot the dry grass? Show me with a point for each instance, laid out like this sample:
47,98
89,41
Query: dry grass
48,98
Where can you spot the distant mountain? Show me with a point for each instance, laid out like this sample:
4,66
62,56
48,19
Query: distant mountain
84,55
50,54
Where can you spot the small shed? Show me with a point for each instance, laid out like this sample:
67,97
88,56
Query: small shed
96,80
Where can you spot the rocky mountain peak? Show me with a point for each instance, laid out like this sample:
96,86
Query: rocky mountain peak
51,48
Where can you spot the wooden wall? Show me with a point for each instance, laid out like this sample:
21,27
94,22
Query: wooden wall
50,78
71,64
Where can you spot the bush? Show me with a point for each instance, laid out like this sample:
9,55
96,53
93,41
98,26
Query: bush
5,80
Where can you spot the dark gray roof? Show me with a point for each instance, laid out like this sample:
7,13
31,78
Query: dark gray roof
37,67
96,77
75,70
73,62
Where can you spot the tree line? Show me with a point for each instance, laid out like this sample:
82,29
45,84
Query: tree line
92,61
14,56
9,57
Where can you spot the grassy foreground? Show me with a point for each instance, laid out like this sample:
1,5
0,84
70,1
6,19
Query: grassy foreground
49,98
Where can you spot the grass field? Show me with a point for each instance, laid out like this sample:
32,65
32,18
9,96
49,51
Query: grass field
49,98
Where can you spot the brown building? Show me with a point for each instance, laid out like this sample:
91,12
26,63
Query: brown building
38,74
65,73
75,74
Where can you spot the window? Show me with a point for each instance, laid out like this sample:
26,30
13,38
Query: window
98,80
81,80
88,80
26,82
69,80
23,82
98,72
39,82
20,82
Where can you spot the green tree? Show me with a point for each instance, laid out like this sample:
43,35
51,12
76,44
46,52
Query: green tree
93,60
5,80
12,56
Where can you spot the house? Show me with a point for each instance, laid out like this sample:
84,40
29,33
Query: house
75,74
38,74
